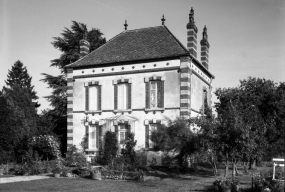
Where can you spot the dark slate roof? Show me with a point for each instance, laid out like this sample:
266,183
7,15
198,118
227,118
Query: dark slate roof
135,45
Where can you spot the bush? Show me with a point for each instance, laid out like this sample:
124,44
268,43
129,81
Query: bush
47,146
110,149
75,158
57,170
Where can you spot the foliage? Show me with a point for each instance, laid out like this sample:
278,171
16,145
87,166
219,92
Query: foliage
68,44
176,137
18,76
45,123
57,170
74,157
110,149
129,150
226,182
20,123
252,112
46,146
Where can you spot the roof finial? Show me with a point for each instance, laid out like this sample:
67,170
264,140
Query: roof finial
126,25
163,19
191,15
205,35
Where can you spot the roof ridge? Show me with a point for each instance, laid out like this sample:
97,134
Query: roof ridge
143,28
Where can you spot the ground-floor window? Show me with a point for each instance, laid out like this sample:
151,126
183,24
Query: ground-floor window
149,129
93,137
123,133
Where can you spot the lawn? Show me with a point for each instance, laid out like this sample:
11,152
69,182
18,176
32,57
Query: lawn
196,181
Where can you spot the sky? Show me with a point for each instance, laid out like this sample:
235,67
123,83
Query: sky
246,36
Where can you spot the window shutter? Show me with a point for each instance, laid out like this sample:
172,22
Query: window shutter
97,137
100,137
87,136
129,95
86,98
99,97
115,96
147,136
160,94
147,95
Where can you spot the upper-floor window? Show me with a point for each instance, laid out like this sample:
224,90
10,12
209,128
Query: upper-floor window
154,87
122,94
93,96
205,99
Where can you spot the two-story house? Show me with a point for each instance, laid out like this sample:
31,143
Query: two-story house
136,81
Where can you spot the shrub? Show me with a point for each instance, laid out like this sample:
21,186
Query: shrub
47,146
110,149
129,151
75,158
57,170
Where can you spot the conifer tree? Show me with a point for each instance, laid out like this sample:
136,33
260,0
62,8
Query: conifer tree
18,76
68,44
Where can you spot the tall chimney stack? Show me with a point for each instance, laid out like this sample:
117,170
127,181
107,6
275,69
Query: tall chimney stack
192,34
205,48
84,45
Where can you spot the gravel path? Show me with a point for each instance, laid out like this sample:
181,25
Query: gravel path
22,178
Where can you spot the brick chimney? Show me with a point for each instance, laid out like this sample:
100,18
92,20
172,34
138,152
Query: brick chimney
84,45
205,48
192,34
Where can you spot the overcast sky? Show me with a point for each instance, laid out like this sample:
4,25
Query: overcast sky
246,36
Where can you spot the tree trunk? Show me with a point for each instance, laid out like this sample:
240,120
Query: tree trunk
226,168
245,167
252,163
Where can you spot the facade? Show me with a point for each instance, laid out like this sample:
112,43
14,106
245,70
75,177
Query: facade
136,81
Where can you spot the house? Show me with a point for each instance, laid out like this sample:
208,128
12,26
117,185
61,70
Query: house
136,81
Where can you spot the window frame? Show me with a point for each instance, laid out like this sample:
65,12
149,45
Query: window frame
204,99
116,94
87,96
160,92
98,137
148,124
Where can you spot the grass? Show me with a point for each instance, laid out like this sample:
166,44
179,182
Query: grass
160,181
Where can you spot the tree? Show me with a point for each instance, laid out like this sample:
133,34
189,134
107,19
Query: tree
248,119
129,151
110,148
208,138
68,44
45,123
19,120
176,137
18,76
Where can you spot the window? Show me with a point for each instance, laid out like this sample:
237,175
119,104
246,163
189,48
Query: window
150,125
93,137
92,96
123,133
122,94
205,99
154,93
